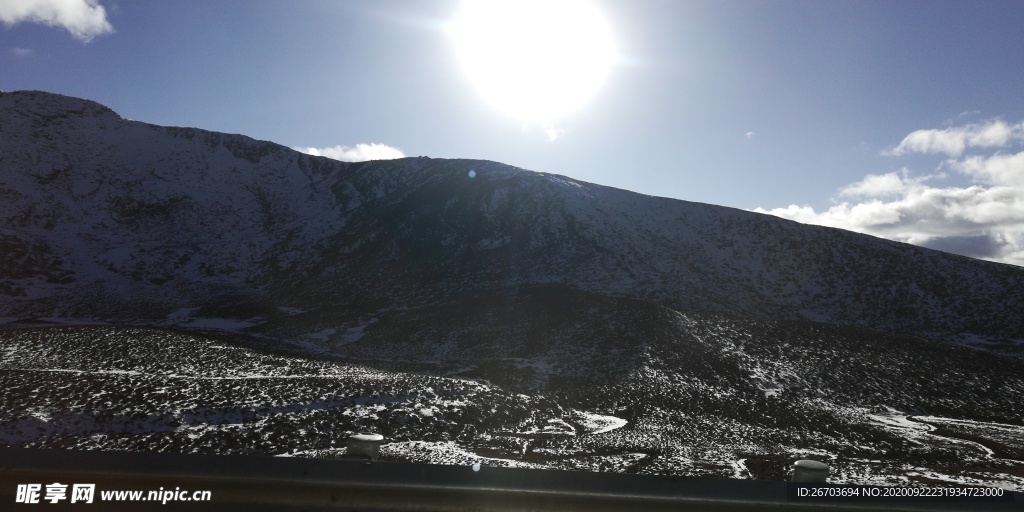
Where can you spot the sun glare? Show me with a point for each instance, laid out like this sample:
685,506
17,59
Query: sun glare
536,60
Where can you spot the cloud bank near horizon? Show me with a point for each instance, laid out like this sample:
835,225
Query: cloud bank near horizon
357,153
984,219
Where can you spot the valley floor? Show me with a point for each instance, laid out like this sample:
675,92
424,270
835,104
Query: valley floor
140,389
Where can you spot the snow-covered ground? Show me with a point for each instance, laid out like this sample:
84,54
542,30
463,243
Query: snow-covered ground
598,423
145,389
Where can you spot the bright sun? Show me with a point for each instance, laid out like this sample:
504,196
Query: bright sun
535,60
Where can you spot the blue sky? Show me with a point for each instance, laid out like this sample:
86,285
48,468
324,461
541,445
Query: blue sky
899,119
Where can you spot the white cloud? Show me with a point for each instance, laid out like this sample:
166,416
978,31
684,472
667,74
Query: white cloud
983,219
550,131
996,169
875,185
749,135
85,19
358,153
553,133
953,141
22,52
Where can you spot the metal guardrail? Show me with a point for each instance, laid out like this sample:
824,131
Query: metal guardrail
283,483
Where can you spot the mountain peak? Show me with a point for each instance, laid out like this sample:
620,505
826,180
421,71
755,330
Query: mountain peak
50,104
156,219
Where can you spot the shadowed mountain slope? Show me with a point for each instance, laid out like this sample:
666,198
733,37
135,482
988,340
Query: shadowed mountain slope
671,336
124,221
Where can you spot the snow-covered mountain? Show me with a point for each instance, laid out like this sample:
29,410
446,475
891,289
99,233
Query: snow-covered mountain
119,220
501,311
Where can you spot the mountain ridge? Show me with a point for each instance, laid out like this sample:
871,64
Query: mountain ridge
245,218
469,309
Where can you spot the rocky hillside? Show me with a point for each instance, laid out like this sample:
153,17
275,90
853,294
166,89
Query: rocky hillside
592,328
116,220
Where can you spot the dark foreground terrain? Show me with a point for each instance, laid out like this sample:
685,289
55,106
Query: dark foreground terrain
688,407
474,312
